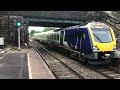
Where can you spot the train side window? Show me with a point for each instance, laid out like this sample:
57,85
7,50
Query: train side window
54,37
65,39
57,37
72,38
84,36
47,37
79,35
51,37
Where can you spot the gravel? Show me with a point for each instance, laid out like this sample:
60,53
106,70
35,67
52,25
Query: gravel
84,71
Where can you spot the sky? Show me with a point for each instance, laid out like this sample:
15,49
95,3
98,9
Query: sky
35,28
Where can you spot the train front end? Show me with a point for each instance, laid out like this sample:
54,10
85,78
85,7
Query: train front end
104,42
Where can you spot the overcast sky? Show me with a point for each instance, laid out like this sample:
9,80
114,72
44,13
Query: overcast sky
35,28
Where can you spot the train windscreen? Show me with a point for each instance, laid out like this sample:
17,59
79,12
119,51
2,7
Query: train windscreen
102,35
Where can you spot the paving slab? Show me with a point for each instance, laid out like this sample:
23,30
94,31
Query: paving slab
37,67
14,65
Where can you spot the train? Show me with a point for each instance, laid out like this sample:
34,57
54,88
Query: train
94,42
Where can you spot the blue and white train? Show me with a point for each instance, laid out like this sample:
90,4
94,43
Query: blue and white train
94,42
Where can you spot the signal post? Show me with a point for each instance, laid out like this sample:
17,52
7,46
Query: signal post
18,24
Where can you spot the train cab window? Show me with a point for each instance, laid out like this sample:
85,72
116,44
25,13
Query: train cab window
102,35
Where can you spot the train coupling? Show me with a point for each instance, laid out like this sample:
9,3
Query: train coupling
106,56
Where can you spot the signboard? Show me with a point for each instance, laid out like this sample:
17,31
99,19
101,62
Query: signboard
1,40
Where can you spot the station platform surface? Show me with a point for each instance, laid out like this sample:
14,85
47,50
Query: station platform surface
37,67
24,64
13,65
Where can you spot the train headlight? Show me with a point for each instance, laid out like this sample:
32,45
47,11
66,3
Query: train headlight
95,48
114,48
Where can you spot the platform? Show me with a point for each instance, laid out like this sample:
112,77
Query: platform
37,67
13,65
24,64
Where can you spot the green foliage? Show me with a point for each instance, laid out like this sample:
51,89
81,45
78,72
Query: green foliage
32,32
49,29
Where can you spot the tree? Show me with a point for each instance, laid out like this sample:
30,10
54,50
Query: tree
49,29
32,32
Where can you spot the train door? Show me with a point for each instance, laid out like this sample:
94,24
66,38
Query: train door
61,37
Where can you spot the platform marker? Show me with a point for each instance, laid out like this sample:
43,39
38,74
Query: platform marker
29,68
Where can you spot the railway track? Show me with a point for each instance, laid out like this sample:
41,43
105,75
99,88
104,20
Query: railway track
109,72
60,69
